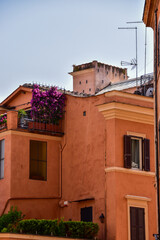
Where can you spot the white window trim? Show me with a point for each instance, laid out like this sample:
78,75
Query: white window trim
140,152
141,202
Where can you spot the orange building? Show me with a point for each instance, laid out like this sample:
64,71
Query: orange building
97,165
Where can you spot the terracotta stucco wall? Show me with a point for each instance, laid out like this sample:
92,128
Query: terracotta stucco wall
35,198
83,158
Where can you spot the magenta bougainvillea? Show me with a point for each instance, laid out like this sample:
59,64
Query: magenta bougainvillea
47,105
3,118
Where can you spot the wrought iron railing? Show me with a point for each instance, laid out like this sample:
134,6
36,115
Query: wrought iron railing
41,125
3,121
3,126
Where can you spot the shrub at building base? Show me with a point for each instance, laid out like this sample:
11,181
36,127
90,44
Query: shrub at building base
62,229
12,222
9,221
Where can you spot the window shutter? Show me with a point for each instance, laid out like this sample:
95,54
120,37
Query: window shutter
137,223
146,154
127,151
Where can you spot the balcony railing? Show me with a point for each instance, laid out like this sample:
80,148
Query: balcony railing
41,126
3,126
3,121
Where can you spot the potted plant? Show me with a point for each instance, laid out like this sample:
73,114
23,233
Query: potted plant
21,115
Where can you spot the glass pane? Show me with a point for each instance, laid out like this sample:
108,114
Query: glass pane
43,151
135,153
38,160
2,169
33,150
33,169
42,170
2,149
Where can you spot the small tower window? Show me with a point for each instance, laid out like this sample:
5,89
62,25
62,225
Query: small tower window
83,91
102,81
84,113
86,81
79,82
90,89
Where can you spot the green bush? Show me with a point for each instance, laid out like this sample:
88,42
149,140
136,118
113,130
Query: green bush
62,229
10,219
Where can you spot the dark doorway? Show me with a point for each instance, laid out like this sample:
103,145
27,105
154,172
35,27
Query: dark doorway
86,214
137,223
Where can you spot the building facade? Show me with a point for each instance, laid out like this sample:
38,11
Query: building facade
97,165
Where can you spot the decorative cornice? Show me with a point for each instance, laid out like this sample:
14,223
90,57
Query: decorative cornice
82,72
138,198
31,135
127,112
128,95
129,171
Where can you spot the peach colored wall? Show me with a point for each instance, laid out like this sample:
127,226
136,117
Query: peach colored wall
116,129
90,77
21,98
17,158
89,145
121,184
83,158
118,186
5,187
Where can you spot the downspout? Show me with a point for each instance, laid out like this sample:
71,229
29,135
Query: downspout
61,153
156,121
105,195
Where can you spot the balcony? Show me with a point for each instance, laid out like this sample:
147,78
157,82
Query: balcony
27,124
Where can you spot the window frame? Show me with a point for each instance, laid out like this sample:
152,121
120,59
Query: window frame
139,139
31,178
144,151
82,210
138,202
2,159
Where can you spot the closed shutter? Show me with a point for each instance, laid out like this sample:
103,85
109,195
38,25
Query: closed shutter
137,223
127,151
146,154
86,214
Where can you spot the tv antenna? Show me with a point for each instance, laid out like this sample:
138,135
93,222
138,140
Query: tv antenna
133,63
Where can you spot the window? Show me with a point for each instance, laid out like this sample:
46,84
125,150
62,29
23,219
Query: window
90,89
102,81
84,113
86,214
80,82
137,223
38,160
136,153
86,81
2,159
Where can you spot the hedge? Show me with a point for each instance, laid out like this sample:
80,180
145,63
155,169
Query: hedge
12,222
70,229
10,219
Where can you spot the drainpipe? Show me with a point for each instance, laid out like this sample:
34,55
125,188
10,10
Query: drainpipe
156,120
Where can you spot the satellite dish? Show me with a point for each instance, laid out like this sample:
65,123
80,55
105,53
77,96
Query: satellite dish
149,92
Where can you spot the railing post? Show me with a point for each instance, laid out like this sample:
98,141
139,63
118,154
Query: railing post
12,120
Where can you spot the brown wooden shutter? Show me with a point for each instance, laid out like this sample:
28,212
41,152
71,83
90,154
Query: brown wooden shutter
127,151
137,223
146,143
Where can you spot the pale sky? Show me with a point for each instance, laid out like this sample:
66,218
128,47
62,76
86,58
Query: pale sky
40,40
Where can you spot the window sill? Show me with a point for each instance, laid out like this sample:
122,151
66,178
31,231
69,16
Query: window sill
130,171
